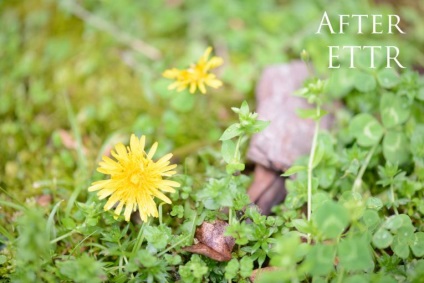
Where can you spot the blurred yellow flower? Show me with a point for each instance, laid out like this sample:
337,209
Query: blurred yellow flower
135,179
197,75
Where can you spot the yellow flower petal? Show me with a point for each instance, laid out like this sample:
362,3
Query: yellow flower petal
135,179
197,75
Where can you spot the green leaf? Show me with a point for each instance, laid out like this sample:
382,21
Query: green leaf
374,203
396,148
394,109
302,225
420,95
331,219
293,170
340,82
357,278
231,269
68,223
227,150
364,82
371,219
3,259
310,114
234,167
366,129
232,131
388,78
395,222
246,266
319,154
325,175
259,126
417,246
244,108
400,247
320,259
355,254
382,239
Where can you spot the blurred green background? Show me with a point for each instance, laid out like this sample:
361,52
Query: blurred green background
78,76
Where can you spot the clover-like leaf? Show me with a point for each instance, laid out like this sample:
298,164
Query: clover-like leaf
364,82
395,147
382,239
331,219
388,78
321,259
355,254
417,245
394,109
366,129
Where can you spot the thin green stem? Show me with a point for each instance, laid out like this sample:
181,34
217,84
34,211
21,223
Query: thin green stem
182,240
139,240
62,237
82,241
311,163
393,197
357,184
160,212
174,245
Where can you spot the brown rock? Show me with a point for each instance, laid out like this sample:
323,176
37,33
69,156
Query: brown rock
286,138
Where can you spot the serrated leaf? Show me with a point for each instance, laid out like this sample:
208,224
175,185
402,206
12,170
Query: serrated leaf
394,109
366,129
293,170
388,78
364,82
395,147
232,131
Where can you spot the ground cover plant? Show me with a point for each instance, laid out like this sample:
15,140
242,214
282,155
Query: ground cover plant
124,128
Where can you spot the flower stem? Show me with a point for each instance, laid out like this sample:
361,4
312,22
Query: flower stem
311,163
358,180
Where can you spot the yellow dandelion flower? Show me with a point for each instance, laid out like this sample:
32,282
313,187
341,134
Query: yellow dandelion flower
135,179
197,75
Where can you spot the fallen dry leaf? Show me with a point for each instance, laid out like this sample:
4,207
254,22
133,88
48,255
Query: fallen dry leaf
211,241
